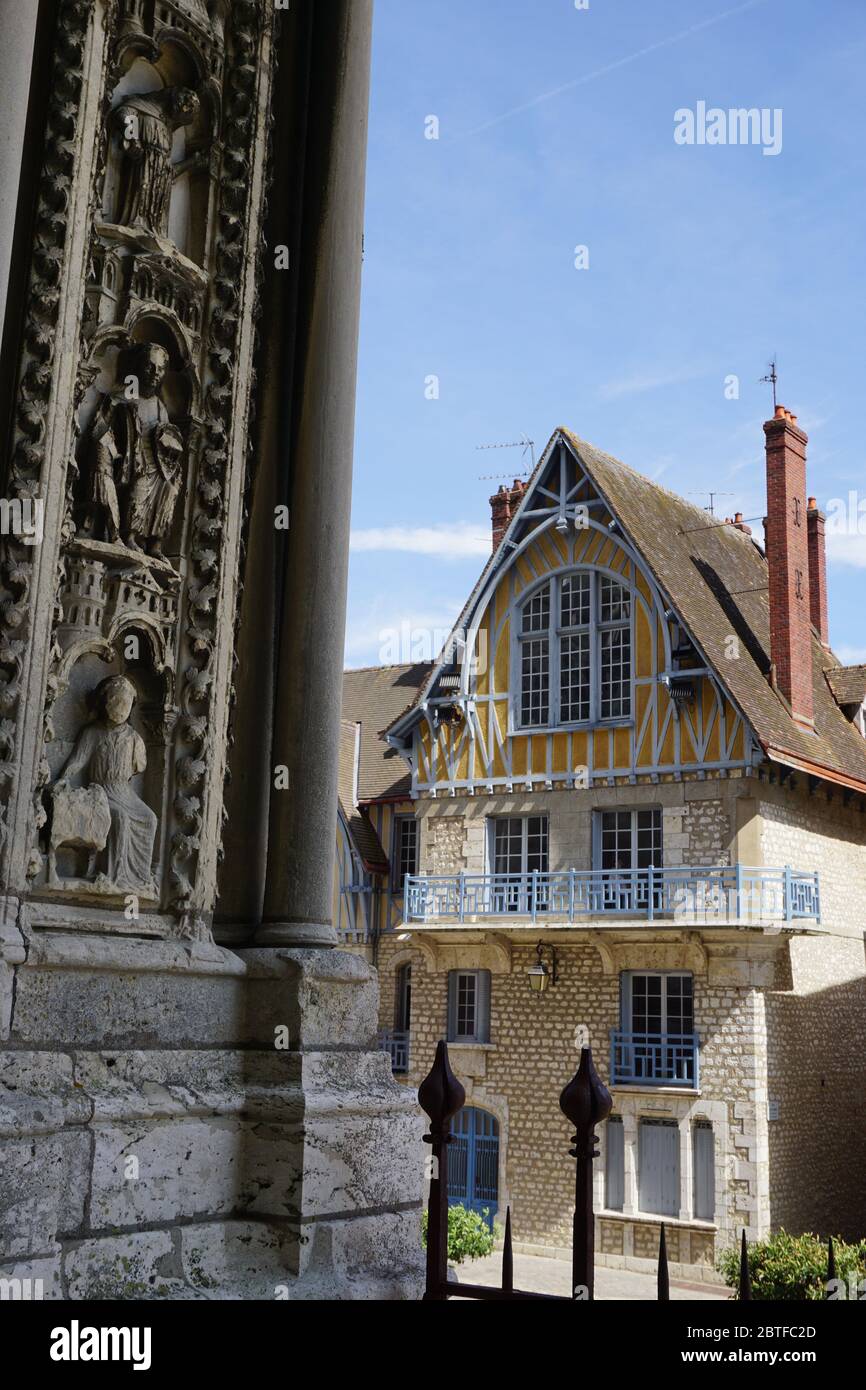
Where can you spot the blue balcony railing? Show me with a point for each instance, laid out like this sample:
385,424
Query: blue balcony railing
654,1059
398,1046
727,894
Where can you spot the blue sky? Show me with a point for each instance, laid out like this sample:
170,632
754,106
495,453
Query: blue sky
556,130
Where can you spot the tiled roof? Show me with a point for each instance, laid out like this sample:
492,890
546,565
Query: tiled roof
848,684
363,835
374,697
716,577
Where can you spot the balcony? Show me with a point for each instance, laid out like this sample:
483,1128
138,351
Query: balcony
728,895
654,1059
398,1046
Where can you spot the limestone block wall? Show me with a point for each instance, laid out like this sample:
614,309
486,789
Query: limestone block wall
812,833
534,1049
699,823
697,832
156,1136
815,1078
781,1017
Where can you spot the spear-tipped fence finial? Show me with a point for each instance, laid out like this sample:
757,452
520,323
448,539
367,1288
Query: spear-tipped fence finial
440,1095
586,1102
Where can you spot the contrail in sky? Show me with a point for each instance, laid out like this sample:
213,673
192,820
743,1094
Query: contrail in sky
610,67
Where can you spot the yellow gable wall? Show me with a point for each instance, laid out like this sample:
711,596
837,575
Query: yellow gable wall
659,740
384,907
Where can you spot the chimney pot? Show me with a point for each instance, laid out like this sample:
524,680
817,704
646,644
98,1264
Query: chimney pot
503,506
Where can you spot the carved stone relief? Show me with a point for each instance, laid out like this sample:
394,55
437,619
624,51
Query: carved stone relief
95,805
135,459
118,798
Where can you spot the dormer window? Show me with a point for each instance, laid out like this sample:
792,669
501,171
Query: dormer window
575,646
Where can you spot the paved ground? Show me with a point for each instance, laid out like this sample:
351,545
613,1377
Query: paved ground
536,1274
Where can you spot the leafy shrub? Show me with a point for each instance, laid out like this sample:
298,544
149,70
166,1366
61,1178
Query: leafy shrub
794,1268
469,1236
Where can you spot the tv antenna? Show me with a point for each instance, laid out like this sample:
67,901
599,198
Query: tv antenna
711,508
524,443
771,379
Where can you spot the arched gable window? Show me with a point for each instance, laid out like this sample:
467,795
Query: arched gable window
574,660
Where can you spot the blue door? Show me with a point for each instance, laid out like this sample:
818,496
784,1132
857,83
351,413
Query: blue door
473,1162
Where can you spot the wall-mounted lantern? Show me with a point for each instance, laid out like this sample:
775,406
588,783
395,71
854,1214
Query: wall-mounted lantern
541,975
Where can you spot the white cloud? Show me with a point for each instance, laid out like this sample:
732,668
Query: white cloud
455,541
847,550
645,381
851,656
384,635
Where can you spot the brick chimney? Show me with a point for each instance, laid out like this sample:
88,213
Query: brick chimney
815,522
503,506
788,562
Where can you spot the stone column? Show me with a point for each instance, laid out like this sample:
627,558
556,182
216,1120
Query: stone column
321,379
686,1169
17,36
630,1141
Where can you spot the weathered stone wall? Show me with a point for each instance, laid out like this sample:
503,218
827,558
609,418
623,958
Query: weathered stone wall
535,1048
815,1072
781,1018
699,823
809,832
196,1164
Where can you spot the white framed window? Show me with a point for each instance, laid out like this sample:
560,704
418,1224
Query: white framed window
469,1006
628,839
518,847
657,1004
519,844
574,662
404,851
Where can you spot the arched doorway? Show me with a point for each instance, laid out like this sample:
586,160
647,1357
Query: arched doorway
473,1162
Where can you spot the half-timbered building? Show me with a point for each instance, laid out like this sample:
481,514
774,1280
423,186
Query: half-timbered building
634,790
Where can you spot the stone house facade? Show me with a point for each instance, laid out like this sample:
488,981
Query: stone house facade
689,865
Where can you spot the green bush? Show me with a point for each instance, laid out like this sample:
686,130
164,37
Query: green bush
794,1268
469,1236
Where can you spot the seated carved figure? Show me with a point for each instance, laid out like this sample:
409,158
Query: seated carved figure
107,755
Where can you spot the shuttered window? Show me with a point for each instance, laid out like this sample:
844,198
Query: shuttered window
469,1006
659,1167
614,1165
703,1172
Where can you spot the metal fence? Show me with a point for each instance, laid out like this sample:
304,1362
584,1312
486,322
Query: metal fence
397,1045
655,1059
729,894
586,1103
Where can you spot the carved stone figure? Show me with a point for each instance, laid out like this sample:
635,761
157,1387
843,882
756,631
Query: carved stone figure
107,755
146,125
136,460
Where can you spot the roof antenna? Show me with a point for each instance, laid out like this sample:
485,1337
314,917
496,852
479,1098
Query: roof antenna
712,496
771,380
524,443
